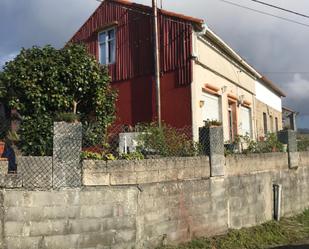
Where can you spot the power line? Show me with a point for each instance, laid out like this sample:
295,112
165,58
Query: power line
280,8
265,13
285,72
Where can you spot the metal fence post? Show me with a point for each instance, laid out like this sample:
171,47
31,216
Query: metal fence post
212,141
67,147
289,137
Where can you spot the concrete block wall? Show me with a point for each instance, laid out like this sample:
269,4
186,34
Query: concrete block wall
101,173
250,187
130,205
71,218
252,163
174,212
249,199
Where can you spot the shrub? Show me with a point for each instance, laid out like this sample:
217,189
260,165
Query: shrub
93,134
36,136
132,156
68,117
166,141
43,82
245,144
303,145
98,156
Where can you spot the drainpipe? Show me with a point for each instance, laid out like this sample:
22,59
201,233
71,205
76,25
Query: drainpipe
157,60
277,188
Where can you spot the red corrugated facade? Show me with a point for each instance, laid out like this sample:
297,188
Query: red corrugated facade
132,74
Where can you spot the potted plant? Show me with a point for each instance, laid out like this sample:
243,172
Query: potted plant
2,145
212,123
68,117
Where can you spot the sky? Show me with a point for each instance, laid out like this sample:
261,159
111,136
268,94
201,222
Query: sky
275,47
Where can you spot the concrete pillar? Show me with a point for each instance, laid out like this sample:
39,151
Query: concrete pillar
212,141
67,147
294,122
289,137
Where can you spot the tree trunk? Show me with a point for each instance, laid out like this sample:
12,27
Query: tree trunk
74,106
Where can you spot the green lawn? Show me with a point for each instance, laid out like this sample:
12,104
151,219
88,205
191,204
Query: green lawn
288,230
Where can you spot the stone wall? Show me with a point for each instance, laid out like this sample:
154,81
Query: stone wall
101,173
249,187
70,218
146,203
174,212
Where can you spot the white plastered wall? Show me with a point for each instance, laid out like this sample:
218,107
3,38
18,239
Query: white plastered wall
268,97
214,68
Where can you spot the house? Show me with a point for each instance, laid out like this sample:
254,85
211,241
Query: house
289,118
202,78
268,107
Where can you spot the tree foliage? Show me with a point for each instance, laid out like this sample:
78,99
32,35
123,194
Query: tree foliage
42,82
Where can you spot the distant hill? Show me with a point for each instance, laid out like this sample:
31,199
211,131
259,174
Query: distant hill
303,130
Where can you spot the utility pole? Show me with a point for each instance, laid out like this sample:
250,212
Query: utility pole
157,60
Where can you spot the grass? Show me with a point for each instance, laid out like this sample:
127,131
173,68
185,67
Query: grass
288,230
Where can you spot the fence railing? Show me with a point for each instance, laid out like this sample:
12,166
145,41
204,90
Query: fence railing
74,142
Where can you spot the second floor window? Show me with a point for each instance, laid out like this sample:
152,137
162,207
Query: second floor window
107,46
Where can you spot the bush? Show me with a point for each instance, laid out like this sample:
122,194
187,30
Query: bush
303,145
245,144
36,136
133,156
94,134
68,117
98,156
43,82
166,141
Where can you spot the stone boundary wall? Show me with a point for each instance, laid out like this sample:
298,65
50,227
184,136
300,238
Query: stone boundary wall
144,204
101,173
252,163
304,159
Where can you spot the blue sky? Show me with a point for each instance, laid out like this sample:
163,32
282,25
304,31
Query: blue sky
271,45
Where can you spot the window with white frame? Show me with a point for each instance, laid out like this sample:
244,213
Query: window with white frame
211,108
245,119
107,46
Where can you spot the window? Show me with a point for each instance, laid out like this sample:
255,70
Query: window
107,47
211,108
271,120
245,117
277,124
265,123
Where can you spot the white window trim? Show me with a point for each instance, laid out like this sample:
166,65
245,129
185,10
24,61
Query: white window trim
106,45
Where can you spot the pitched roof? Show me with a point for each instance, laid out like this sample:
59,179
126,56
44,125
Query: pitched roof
232,54
130,4
273,86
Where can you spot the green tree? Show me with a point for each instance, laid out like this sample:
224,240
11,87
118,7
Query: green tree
43,82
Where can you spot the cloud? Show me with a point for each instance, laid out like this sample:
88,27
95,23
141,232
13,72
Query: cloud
7,58
40,22
297,90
